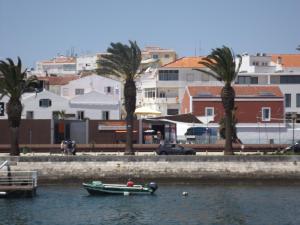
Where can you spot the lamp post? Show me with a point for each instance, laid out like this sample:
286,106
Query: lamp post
294,117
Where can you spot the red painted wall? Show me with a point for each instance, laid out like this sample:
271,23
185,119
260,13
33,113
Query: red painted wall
247,111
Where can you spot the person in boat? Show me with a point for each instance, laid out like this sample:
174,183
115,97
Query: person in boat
130,183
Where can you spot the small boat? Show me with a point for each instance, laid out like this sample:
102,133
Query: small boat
99,188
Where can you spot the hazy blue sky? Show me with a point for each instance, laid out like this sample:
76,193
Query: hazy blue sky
40,29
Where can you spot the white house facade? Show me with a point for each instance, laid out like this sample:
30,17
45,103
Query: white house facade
162,88
60,65
282,70
101,84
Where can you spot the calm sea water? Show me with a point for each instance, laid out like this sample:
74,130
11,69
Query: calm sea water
242,203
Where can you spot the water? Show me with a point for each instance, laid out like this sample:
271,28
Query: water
218,203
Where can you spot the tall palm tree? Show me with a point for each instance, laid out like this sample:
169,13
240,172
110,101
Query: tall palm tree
222,66
13,83
124,62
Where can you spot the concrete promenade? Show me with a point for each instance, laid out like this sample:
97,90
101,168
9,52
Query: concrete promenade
85,167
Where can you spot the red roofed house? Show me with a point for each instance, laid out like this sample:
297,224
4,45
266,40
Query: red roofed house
258,107
274,69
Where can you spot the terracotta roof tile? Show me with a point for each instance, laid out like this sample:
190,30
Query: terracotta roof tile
59,80
240,91
185,62
288,60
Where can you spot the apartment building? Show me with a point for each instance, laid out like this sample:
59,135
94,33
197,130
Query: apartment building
164,56
60,66
162,88
281,70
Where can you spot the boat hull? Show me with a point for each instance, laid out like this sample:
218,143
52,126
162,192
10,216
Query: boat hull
109,189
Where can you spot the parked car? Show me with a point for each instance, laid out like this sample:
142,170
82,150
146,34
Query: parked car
201,135
174,149
295,147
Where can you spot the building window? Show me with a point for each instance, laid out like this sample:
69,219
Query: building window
166,75
65,91
79,91
172,111
162,94
155,56
209,111
108,90
247,80
266,114
1,108
287,100
117,91
45,103
105,115
167,56
149,92
80,115
29,115
290,79
297,100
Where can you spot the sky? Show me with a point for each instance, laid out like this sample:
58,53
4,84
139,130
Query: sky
41,29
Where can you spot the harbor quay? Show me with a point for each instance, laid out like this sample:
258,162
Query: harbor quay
56,168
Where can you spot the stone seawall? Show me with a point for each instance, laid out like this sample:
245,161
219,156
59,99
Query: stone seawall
60,168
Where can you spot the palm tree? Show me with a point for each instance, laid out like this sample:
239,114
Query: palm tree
13,83
223,67
222,127
124,62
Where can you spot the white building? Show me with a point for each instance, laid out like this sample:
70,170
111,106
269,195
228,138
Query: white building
43,105
60,65
46,105
164,56
95,105
274,69
162,88
86,62
83,85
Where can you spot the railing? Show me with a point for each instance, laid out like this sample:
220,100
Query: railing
5,163
18,178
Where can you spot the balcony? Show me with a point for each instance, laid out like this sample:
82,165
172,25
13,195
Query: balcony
167,100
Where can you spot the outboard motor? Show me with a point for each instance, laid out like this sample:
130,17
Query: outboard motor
153,186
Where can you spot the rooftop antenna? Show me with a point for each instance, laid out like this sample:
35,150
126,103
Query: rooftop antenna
200,48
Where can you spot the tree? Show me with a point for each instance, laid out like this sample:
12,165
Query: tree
298,48
124,62
222,66
13,83
222,130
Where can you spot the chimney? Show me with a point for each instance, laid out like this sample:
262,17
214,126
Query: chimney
279,60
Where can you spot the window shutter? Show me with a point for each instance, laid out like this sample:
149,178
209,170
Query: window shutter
50,102
40,103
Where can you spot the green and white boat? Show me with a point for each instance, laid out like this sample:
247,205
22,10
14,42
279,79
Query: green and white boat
99,188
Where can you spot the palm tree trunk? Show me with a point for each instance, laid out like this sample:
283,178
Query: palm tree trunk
130,103
228,133
14,135
228,95
129,127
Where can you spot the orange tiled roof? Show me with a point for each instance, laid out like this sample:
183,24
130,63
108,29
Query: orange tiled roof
185,62
59,80
288,60
240,91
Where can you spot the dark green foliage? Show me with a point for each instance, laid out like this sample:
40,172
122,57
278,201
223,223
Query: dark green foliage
222,66
124,62
13,83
